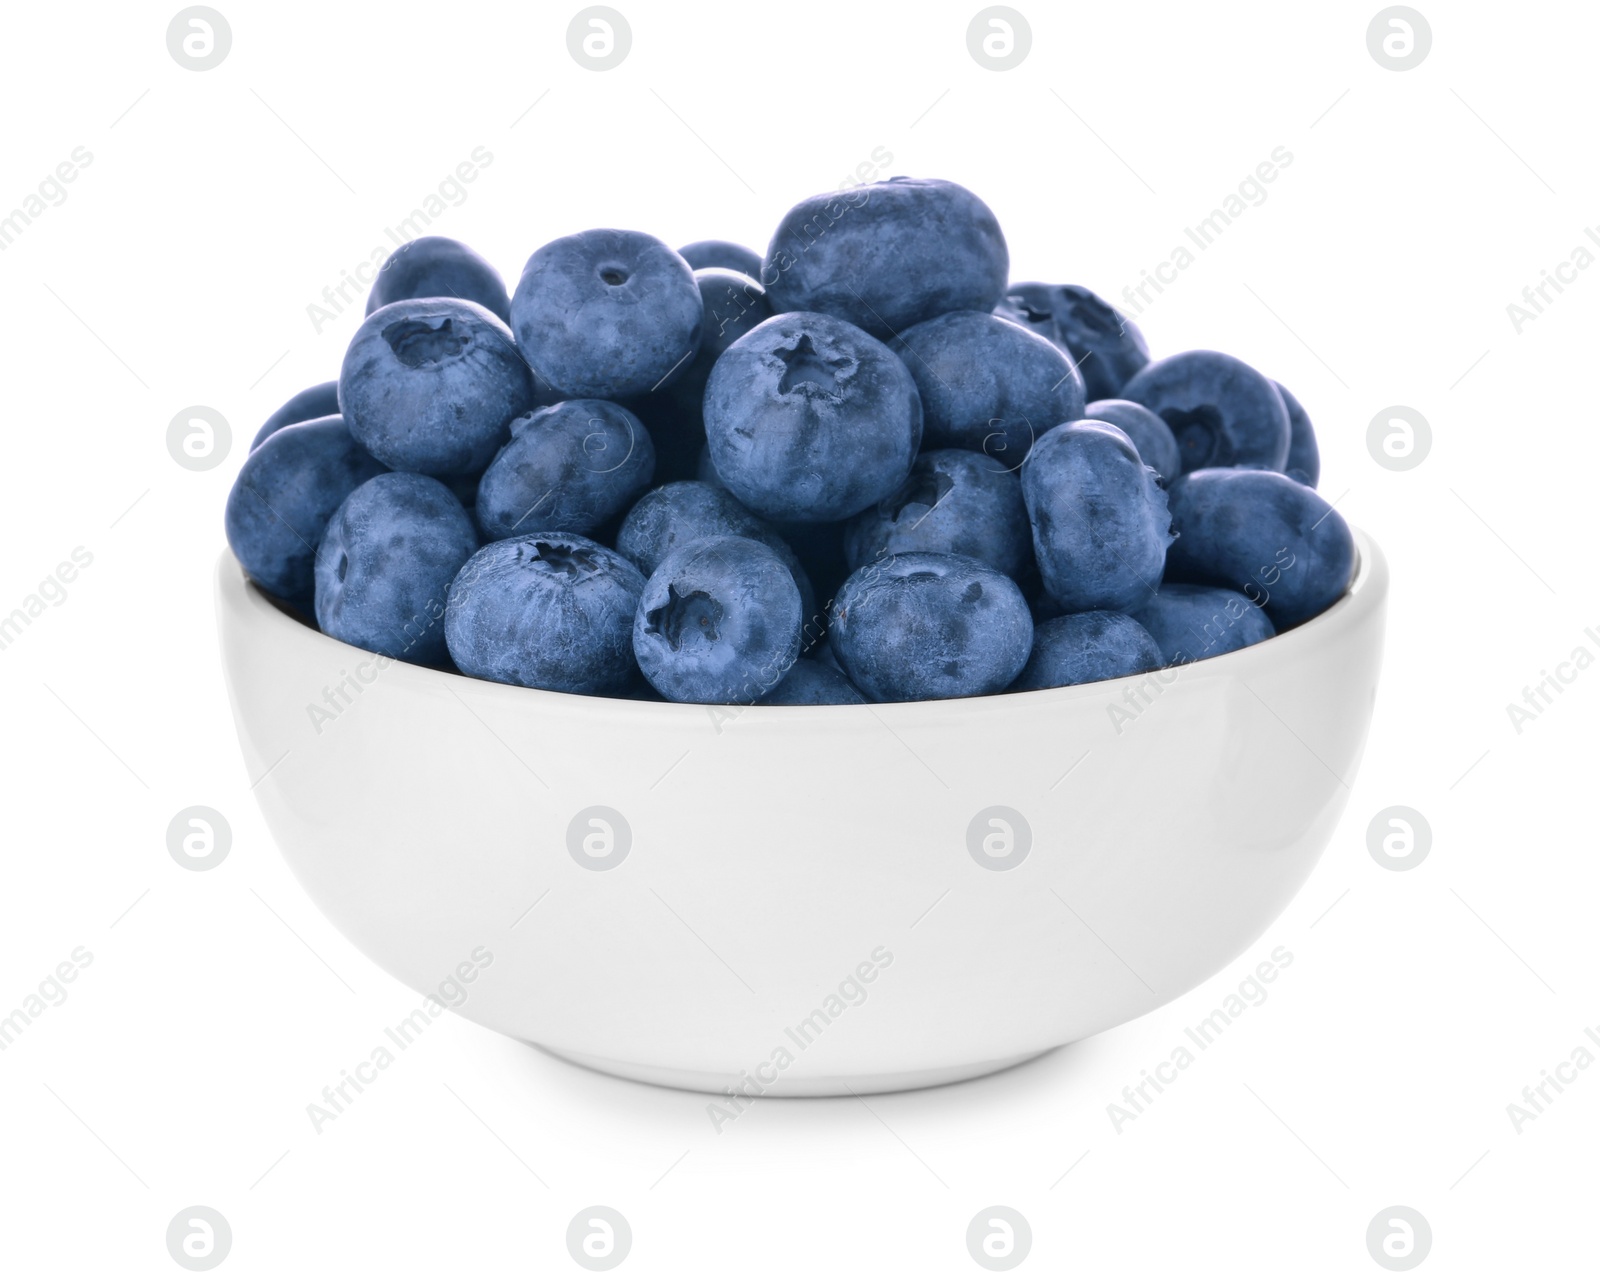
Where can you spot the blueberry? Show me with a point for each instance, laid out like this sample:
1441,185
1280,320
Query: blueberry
385,566
548,610
1263,534
435,266
810,683
734,304
685,511
719,621
317,401
926,625
954,501
722,253
1107,346
988,384
1031,305
431,385
1150,435
607,314
1100,524
1083,648
284,495
1305,461
808,418
1192,622
1221,411
572,466
888,255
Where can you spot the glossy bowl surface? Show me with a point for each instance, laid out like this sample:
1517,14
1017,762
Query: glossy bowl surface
803,900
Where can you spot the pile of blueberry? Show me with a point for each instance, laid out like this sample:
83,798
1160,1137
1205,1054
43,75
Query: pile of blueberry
861,468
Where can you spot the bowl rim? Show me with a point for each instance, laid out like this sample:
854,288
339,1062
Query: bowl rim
1368,589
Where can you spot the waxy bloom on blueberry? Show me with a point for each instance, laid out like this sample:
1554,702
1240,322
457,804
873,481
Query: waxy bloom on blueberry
547,610
718,621
1100,522
431,385
809,418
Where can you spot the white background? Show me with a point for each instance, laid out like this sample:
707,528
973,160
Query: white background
217,1006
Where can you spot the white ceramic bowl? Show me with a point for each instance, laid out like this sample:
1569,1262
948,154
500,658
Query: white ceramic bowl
802,900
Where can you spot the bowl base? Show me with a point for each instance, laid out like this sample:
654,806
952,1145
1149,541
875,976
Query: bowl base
718,1084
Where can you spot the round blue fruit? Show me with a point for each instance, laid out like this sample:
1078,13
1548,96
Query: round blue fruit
1221,411
431,385
809,418
724,254
1305,460
718,622
888,255
572,466
435,266
1275,541
1100,522
811,683
1083,648
925,625
385,565
1107,346
283,497
988,384
685,511
1194,622
548,610
1150,435
607,314
317,401
954,501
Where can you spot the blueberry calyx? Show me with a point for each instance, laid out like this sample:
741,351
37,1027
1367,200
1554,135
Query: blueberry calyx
682,616
416,343
808,371
1201,439
574,562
